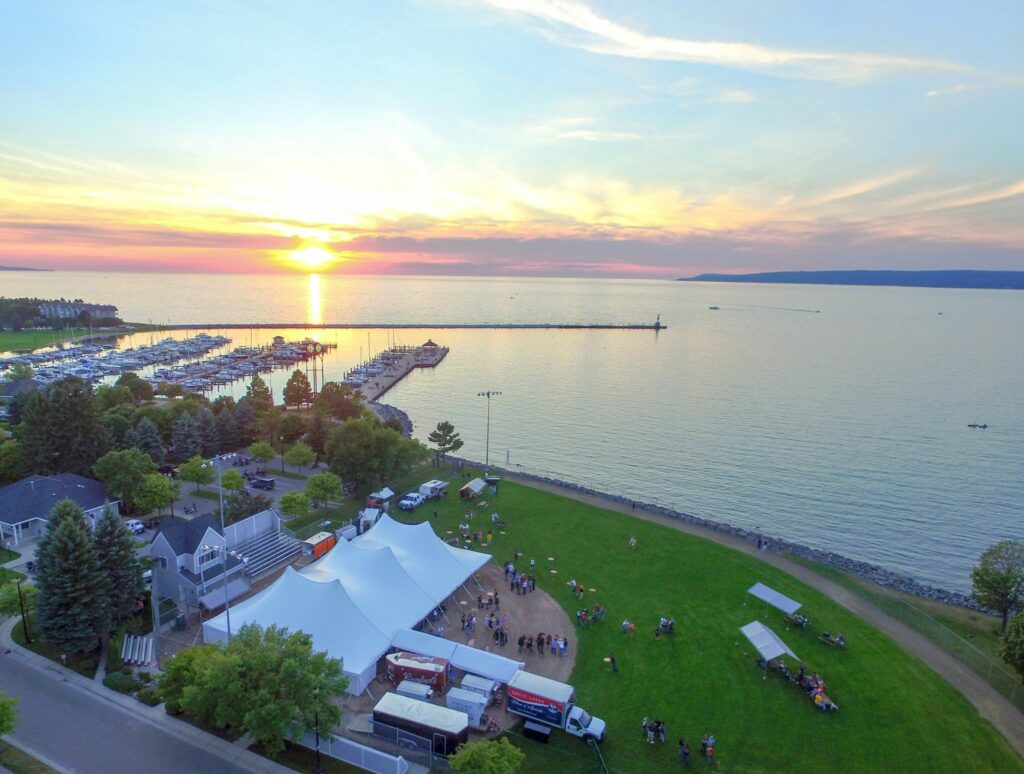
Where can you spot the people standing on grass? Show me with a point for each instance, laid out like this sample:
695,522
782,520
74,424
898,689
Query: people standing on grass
632,542
711,749
684,752
704,746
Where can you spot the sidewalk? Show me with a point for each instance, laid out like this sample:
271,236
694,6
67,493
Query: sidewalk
154,716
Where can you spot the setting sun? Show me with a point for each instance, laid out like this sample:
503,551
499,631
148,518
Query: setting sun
312,258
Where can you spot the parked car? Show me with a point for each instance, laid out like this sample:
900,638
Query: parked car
264,483
411,501
136,526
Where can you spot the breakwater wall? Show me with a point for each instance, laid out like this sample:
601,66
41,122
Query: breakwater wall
386,412
658,325
871,572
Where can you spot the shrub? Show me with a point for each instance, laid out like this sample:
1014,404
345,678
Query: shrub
148,695
126,670
87,665
121,682
114,662
145,677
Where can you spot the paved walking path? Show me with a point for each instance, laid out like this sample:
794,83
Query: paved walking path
72,724
991,704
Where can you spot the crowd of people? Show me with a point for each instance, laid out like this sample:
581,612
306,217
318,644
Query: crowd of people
653,729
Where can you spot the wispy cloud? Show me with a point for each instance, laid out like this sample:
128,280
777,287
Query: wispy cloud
736,95
573,23
1006,192
575,128
861,187
958,89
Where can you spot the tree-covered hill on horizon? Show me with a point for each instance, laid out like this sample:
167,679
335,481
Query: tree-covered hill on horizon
975,279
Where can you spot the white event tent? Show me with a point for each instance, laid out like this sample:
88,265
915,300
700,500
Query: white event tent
376,582
774,598
766,641
324,610
358,597
435,566
474,660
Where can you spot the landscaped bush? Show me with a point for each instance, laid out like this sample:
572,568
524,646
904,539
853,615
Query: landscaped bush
148,695
126,670
114,662
87,665
145,677
121,682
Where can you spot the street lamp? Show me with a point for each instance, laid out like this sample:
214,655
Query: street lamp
217,463
316,728
226,553
487,452
24,615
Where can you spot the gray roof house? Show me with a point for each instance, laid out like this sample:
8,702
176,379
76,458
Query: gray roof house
189,563
25,505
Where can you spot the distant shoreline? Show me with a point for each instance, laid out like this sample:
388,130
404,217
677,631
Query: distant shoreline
21,268
962,279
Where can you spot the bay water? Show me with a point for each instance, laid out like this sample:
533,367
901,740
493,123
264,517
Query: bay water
832,416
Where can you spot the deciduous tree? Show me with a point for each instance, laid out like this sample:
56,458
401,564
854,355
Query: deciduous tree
364,451
197,472
141,389
323,488
292,428
123,472
232,480
243,504
316,435
120,568
487,757
261,451
294,504
339,401
1013,644
268,683
11,466
156,493
999,578
301,455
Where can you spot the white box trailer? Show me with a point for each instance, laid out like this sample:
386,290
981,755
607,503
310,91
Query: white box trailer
473,704
485,686
433,489
412,690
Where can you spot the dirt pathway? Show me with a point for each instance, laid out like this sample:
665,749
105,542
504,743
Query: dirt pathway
991,704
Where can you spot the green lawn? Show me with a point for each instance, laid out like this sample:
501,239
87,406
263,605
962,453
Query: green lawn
895,713
16,341
20,763
6,555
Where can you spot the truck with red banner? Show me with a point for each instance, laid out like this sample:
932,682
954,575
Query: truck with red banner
552,703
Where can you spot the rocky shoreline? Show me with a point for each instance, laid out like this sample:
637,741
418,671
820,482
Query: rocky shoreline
871,572
386,411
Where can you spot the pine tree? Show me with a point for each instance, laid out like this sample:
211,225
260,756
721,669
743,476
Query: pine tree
71,609
227,431
245,422
185,437
297,392
73,422
119,566
37,444
207,425
146,438
259,394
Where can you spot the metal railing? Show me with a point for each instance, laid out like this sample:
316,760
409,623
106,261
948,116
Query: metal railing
986,667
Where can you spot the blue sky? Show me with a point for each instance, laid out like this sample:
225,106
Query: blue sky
512,136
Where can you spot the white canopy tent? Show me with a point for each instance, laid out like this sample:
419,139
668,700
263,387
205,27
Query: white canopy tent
766,641
774,598
376,582
322,609
428,560
473,660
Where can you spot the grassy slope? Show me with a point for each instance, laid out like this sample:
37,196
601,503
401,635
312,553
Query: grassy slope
895,712
14,341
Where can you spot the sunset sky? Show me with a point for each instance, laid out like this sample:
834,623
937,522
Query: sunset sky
561,137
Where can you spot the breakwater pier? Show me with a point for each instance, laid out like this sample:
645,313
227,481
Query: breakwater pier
377,376
657,325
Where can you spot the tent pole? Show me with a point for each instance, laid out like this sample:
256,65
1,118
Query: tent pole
371,695
478,583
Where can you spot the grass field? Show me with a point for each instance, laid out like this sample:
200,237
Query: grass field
18,762
16,341
896,714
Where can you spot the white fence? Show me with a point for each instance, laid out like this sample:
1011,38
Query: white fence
247,529
359,755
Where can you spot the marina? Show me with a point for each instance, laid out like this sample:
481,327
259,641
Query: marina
380,374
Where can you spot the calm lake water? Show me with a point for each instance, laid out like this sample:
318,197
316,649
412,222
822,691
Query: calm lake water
844,428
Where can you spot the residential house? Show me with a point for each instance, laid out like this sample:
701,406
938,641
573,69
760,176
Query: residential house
192,561
25,505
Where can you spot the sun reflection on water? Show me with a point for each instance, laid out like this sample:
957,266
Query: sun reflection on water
314,310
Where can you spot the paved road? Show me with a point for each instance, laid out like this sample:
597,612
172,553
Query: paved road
80,731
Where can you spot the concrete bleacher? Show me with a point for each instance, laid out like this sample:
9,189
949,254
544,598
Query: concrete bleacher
267,551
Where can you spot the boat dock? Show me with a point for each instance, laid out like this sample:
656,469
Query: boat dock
380,374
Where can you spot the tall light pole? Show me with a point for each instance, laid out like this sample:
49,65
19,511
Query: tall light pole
487,452
217,462
316,727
